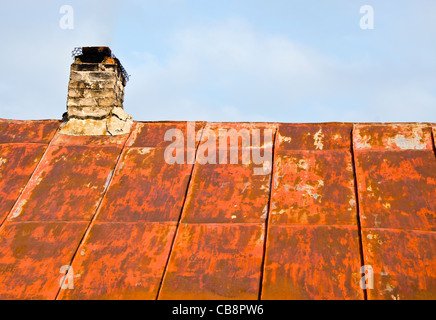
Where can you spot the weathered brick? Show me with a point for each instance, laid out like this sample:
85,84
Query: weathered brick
83,112
85,67
101,75
76,75
81,102
107,102
101,93
95,85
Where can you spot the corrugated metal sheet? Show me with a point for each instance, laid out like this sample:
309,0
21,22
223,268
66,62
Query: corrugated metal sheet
109,218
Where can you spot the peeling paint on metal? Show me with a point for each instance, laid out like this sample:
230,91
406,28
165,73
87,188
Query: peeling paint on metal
211,261
318,262
122,261
19,163
27,131
31,255
312,235
62,194
146,188
377,137
404,263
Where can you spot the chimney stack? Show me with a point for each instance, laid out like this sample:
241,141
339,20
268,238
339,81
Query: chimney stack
96,94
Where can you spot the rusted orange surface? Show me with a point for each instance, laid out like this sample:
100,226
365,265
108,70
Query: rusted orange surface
121,261
404,263
17,163
227,193
325,136
65,140
229,190
312,249
236,135
16,131
397,189
152,134
380,137
313,188
140,227
31,257
396,174
22,144
146,188
68,184
316,262
212,261
434,137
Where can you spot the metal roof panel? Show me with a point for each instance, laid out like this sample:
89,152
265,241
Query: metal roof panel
211,261
312,262
32,255
121,261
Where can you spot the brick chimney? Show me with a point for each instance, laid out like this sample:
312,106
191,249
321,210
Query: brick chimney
96,94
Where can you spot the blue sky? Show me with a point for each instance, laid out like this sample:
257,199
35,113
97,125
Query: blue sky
240,60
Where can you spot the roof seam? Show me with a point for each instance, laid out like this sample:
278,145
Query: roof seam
180,217
356,195
97,211
433,141
266,222
5,220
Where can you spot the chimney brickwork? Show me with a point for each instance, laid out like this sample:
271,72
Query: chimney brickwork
96,95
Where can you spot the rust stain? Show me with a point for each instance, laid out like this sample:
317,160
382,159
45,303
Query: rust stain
396,175
404,264
318,262
379,137
215,262
31,255
312,247
434,138
238,134
312,250
313,188
152,134
327,136
94,141
227,193
27,131
397,189
121,261
145,188
17,163
68,184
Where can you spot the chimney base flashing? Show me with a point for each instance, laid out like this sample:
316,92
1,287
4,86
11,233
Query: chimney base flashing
113,125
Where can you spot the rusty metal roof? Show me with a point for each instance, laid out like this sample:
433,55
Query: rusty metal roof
132,226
